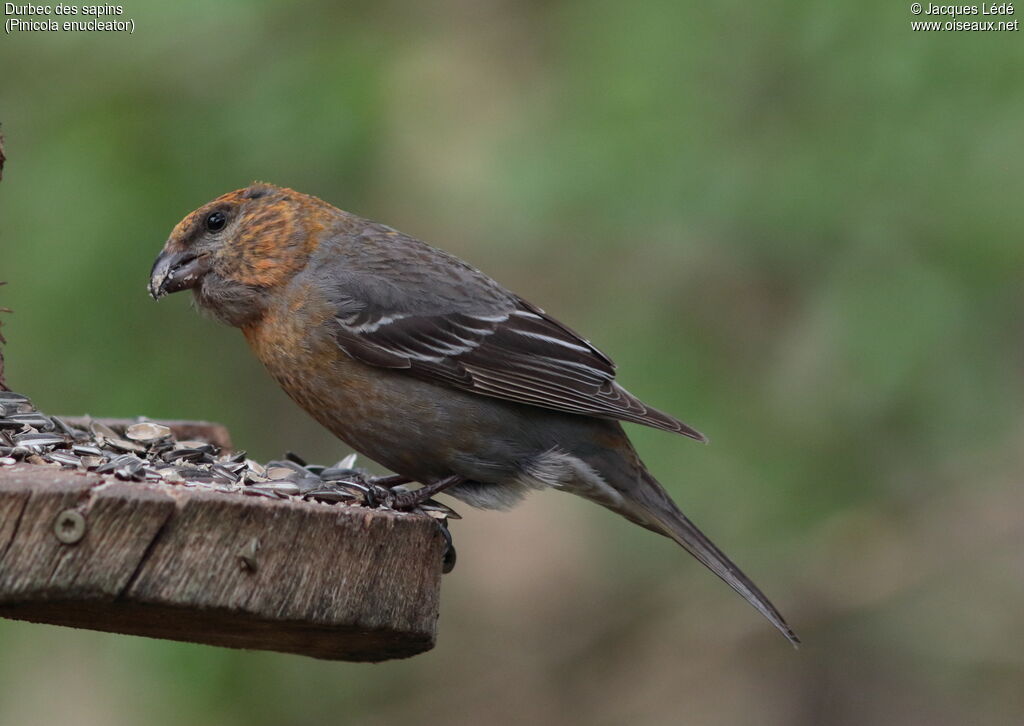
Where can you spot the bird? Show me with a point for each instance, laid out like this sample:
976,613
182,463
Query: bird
425,365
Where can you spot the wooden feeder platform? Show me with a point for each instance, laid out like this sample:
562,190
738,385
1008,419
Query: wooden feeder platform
198,565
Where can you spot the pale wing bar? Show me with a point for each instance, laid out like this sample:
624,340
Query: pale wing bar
519,355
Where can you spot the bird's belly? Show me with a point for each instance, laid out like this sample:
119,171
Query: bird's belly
390,422
411,427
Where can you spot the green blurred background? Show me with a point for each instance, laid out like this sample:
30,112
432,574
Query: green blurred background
793,224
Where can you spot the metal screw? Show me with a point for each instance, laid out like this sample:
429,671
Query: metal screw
247,555
69,527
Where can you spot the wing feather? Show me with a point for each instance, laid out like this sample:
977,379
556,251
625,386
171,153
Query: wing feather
515,352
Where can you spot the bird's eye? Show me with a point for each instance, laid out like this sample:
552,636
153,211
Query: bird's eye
215,221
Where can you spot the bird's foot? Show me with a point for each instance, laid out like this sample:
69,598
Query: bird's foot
390,492
448,556
366,492
414,498
420,500
344,483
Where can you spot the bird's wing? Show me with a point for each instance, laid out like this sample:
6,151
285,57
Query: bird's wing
491,343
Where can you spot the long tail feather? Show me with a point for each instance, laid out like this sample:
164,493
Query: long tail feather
671,522
646,502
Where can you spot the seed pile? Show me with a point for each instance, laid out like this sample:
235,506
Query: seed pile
148,451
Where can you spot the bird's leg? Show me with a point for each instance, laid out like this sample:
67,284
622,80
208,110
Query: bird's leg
379,489
408,500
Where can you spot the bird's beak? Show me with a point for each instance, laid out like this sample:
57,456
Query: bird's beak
174,271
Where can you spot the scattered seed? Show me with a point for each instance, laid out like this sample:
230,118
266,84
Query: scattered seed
335,473
290,465
38,460
186,453
260,491
64,459
126,445
66,429
102,433
38,440
147,431
148,451
221,472
11,402
256,468
278,472
85,450
204,446
347,463
283,487
34,419
331,497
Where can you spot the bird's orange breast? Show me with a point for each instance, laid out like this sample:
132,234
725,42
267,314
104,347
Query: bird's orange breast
378,412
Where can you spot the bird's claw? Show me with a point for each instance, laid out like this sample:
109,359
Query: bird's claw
389,492
378,496
448,557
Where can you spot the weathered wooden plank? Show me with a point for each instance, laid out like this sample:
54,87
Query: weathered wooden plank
219,568
120,522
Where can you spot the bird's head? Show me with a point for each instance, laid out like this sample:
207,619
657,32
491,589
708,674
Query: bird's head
238,249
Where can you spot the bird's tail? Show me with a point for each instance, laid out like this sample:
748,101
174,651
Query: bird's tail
646,503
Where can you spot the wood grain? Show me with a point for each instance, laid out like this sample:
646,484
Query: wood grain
194,564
